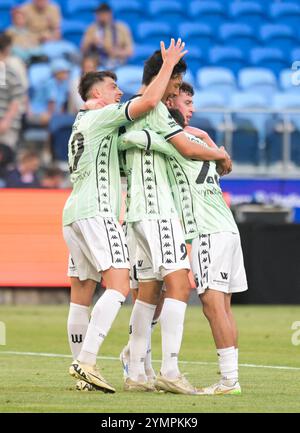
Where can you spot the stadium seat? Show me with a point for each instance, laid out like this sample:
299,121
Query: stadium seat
141,53
73,31
5,13
85,10
200,35
169,11
286,101
245,142
275,144
241,101
129,78
229,57
249,13
149,32
286,13
271,58
217,79
290,80
238,35
212,13
258,80
295,55
194,59
38,73
60,128
278,36
213,103
200,121
130,11
54,49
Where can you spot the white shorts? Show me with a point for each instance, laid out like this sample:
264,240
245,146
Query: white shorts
95,244
132,247
218,264
160,248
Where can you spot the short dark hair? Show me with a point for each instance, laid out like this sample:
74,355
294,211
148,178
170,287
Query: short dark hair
187,88
5,41
103,7
154,63
177,115
90,78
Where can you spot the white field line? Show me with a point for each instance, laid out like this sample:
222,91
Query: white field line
113,358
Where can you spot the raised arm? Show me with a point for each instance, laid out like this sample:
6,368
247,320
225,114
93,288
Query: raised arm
155,91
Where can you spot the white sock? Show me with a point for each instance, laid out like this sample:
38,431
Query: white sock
78,322
148,360
228,365
140,327
102,317
171,322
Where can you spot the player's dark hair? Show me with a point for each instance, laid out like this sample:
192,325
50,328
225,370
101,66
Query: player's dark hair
5,41
154,63
89,79
177,116
104,7
187,88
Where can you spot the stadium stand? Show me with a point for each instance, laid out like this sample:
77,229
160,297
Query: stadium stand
240,58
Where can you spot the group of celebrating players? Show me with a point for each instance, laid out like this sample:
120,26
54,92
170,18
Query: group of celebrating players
173,196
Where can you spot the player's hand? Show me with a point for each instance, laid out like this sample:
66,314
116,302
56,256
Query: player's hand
224,166
93,104
175,51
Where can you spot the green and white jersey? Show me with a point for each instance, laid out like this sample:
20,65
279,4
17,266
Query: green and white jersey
94,163
195,186
148,190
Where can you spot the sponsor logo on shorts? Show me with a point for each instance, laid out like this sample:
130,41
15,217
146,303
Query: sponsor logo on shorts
224,275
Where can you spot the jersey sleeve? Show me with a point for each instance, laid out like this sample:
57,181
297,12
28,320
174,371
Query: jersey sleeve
146,140
160,121
113,115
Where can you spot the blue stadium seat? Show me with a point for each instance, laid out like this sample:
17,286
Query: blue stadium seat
286,13
170,11
229,57
271,58
200,121
278,36
211,101
189,78
60,128
141,53
212,13
295,55
249,13
194,59
129,78
130,11
54,49
85,10
275,144
73,31
39,75
218,79
5,13
149,32
258,80
238,35
245,142
196,34
286,101
250,100
290,81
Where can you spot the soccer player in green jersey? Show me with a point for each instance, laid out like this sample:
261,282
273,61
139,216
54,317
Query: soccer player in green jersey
161,250
217,260
90,218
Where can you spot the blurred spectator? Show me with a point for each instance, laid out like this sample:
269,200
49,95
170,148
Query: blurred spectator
11,98
43,19
7,157
88,64
58,87
24,42
25,173
110,40
53,177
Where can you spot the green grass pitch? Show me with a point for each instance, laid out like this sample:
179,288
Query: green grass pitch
41,384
